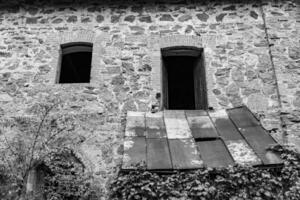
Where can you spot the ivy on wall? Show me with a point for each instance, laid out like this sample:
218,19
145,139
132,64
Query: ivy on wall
64,177
232,183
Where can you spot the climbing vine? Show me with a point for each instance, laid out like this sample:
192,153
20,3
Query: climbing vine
231,183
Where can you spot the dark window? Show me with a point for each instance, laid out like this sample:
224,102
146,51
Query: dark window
184,85
76,63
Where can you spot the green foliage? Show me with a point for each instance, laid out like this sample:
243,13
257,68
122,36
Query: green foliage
231,183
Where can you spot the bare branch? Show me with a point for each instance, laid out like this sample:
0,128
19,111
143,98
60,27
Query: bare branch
9,146
37,133
50,139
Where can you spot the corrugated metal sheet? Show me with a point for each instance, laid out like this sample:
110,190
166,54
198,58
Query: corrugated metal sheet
178,139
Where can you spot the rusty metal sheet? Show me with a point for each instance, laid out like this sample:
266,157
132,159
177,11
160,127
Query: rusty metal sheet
158,154
184,154
214,153
135,124
134,152
242,117
155,126
242,152
224,125
176,124
202,127
260,140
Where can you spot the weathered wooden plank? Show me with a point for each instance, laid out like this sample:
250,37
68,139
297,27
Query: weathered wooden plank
184,154
259,140
202,127
214,153
155,126
176,124
158,154
242,152
224,125
134,152
242,117
135,124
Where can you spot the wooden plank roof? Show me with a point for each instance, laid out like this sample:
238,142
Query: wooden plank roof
178,139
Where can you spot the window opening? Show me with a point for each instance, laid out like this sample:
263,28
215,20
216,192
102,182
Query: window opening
184,85
75,63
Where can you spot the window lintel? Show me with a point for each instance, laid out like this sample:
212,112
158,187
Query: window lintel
74,47
181,51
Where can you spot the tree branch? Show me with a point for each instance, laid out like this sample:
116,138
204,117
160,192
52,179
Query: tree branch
37,133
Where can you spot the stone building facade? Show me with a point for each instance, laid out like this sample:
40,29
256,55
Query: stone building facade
251,53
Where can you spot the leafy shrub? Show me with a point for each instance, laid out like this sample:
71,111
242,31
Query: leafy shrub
9,185
231,183
64,176
41,137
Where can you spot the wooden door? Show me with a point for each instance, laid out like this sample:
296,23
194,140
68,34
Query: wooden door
165,87
200,84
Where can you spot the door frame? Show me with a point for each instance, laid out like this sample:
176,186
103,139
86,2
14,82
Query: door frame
200,89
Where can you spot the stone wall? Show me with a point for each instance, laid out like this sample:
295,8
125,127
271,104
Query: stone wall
241,68
283,28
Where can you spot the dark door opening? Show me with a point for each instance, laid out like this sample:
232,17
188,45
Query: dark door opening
180,82
184,86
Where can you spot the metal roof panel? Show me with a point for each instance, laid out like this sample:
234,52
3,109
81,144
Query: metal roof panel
158,154
176,124
134,152
155,126
242,117
184,154
202,127
225,127
135,124
214,153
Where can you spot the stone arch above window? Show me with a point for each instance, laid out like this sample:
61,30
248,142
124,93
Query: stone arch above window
158,43
78,36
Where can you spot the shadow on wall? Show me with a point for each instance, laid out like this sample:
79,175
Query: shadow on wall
15,5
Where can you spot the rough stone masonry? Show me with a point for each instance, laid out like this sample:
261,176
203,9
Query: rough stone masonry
251,51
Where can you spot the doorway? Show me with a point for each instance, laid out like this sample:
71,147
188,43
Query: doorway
184,85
